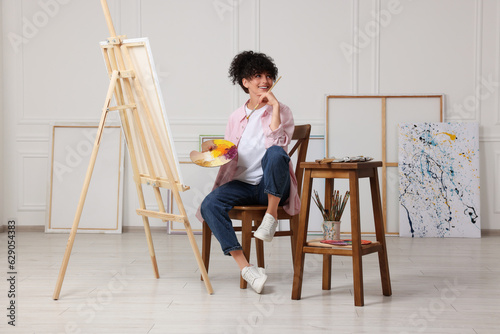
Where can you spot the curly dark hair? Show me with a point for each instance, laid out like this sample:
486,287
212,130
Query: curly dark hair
246,64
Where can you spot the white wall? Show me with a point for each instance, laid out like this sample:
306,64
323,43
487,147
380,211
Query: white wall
2,223
422,46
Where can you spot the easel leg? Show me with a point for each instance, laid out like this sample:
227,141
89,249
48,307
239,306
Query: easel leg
192,241
196,252
147,230
85,188
151,248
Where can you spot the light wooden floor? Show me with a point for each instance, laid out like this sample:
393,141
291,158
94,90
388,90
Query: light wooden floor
439,286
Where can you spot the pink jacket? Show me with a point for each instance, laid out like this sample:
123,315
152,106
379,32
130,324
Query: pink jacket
279,137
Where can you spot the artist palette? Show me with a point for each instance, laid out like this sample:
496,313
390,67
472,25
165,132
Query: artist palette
216,152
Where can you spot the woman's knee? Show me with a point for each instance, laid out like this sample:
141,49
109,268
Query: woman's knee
276,150
275,154
206,205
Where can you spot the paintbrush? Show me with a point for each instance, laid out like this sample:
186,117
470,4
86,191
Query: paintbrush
344,202
337,205
270,89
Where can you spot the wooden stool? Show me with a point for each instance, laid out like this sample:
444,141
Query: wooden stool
352,171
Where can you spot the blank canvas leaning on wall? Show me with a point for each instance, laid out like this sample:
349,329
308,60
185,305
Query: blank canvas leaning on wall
368,125
71,146
439,180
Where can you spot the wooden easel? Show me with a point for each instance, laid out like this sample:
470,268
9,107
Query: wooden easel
150,153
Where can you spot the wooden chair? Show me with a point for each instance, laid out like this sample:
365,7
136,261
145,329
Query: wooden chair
254,213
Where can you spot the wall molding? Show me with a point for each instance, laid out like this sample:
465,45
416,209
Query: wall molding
236,46
496,184
355,43
32,139
478,37
478,55
223,121
18,72
257,25
22,206
489,138
46,139
187,139
173,122
198,121
376,50
139,18
497,65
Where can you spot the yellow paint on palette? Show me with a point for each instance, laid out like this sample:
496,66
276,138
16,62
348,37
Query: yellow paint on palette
215,153
222,147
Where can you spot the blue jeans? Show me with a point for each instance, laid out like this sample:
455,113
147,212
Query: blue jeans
217,204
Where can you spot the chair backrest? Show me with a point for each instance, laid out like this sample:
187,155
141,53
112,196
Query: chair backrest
301,134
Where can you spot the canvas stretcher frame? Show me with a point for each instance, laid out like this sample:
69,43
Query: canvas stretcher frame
70,147
438,115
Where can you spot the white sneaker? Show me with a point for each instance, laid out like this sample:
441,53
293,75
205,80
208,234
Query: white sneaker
255,276
267,228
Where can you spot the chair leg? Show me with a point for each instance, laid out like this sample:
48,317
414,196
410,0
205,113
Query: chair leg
246,239
206,245
259,244
259,247
294,227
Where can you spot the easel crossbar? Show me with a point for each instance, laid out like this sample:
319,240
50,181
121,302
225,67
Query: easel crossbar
128,106
161,215
163,183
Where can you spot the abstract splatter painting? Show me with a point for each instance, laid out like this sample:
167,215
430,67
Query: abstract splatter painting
439,180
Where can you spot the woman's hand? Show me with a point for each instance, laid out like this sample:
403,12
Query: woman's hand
269,99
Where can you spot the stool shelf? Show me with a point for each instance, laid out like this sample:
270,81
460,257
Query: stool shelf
316,247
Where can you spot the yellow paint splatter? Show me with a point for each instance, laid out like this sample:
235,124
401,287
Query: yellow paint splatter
452,136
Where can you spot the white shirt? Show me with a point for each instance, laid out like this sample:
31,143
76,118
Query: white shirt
251,149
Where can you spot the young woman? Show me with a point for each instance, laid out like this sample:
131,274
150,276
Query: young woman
262,172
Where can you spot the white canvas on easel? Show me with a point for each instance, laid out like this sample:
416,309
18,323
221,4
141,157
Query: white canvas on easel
142,60
71,145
